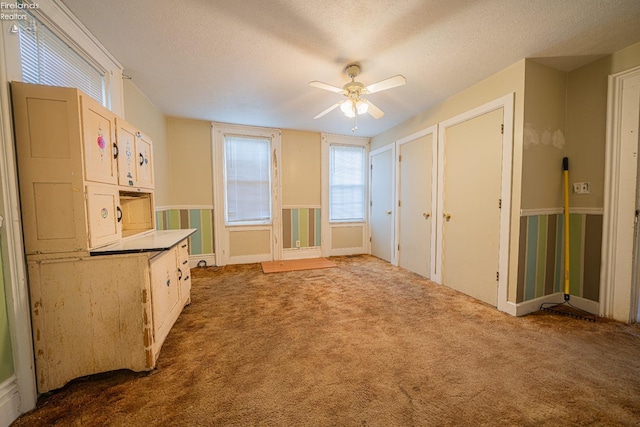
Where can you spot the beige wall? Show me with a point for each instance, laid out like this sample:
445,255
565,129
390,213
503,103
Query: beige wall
509,80
141,113
587,121
301,159
190,157
544,136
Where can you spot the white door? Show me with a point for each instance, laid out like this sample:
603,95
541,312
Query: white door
415,165
381,202
471,210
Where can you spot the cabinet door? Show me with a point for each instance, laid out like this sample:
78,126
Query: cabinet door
98,125
184,272
127,159
145,161
165,294
103,215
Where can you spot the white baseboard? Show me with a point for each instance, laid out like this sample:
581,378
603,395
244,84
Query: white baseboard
558,297
301,253
249,259
348,251
9,401
209,259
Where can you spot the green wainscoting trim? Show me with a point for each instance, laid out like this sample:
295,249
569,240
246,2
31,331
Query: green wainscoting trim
541,268
201,242
301,224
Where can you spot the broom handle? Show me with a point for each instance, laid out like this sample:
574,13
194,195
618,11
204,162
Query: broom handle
565,169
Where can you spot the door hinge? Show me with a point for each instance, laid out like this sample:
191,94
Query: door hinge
502,129
399,203
369,239
399,158
398,246
371,167
499,203
371,203
497,276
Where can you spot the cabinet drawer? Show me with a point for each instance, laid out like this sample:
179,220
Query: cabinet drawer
103,215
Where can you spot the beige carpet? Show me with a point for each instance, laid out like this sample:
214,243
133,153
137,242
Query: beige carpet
364,344
296,265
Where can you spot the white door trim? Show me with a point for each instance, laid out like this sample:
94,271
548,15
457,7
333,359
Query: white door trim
393,239
616,291
432,130
506,102
221,235
18,307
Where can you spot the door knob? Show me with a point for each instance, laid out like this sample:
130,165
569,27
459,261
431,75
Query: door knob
446,216
426,215
388,212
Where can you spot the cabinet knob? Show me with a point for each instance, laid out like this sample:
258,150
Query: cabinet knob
446,216
119,215
426,215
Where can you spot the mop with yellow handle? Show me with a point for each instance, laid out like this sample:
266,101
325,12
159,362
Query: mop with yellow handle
565,308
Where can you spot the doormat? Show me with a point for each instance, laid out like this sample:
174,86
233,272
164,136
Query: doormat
296,265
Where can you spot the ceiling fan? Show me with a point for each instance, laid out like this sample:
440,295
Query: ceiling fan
355,104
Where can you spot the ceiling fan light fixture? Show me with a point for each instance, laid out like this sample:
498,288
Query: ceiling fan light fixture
348,109
362,106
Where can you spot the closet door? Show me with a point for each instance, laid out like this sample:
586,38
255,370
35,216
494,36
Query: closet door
415,166
382,201
471,206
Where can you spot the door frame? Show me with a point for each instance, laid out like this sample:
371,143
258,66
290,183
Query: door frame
393,239
433,130
618,295
507,104
221,234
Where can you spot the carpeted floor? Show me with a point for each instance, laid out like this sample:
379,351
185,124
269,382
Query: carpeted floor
362,344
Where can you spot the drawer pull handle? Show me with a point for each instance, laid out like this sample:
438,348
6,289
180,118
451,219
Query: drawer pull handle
141,159
119,215
180,277
115,151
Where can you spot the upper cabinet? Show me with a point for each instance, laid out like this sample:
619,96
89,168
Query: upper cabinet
99,142
134,154
75,159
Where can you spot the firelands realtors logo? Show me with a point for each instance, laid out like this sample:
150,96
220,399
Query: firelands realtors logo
15,11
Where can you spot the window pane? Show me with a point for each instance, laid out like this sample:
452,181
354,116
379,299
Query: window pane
346,183
48,60
247,179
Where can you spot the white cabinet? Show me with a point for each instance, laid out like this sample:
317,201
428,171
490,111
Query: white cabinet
165,294
66,146
184,272
135,157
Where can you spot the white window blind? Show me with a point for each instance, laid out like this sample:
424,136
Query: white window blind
346,183
247,179
48,60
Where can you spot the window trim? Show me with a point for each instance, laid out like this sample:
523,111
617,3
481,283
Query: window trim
59,19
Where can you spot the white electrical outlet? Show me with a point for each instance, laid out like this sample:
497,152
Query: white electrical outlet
297,243
581,187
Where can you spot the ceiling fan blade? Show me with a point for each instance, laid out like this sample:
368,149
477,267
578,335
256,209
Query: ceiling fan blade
386,84
374,111
333,107
326,86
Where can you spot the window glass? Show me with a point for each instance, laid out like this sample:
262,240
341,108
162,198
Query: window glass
247,179
346,183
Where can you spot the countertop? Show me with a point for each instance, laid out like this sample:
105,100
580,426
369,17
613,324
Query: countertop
148,242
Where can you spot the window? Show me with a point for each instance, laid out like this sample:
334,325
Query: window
47,59
346,183
247,168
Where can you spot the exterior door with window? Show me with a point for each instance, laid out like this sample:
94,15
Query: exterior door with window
344,192
246,183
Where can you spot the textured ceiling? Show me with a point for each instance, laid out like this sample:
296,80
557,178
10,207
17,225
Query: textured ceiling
250,61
